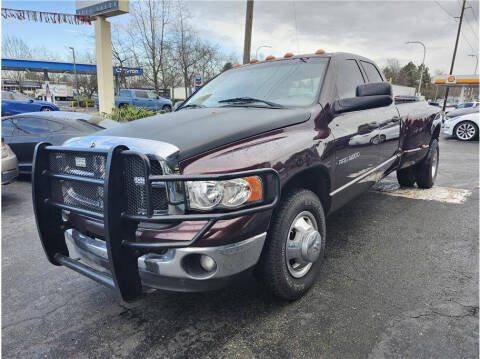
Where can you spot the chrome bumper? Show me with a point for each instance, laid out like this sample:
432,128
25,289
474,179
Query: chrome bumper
174,270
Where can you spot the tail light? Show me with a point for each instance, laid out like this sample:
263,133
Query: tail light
4,149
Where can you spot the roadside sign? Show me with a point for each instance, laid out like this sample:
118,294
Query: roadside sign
105,8
198,83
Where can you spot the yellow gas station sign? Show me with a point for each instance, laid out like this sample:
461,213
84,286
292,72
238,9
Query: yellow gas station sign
456,80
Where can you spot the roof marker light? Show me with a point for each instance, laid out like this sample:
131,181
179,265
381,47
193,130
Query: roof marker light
253,61
288,54
237,65
270,57
320,52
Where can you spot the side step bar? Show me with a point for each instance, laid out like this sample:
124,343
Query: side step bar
83,269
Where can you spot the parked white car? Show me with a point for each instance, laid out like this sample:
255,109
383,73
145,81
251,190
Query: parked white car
464,128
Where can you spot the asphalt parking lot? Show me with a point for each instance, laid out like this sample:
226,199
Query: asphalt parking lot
400,280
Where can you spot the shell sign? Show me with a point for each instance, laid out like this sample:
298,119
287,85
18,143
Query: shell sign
456,80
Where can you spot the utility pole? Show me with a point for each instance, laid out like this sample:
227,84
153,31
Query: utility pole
75,72
454,52
248,32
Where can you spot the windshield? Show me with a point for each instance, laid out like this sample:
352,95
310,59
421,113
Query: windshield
20,96
294,82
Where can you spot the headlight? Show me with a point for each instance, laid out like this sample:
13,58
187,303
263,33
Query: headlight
207,195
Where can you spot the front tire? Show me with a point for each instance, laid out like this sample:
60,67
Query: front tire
167,108
295,246
465,131
426,171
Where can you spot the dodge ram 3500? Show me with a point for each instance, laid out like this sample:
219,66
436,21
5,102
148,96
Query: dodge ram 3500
238,180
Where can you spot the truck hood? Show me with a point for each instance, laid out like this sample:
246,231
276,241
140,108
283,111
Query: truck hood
198,130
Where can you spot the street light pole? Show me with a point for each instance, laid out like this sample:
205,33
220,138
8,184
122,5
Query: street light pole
258,48
75,72
423,62
476,62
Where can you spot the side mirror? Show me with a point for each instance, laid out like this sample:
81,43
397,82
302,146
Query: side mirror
372,95
30,100
177,105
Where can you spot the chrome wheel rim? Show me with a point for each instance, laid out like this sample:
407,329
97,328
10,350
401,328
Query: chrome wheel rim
303,244
434,163
465,131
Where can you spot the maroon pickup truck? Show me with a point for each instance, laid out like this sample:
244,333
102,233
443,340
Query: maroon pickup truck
237,181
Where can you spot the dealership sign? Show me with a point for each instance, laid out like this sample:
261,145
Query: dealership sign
102,7
127,71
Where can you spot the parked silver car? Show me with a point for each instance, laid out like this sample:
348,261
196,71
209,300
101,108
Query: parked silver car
9,164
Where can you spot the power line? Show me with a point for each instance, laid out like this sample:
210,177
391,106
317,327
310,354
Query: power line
445,10
473,12
471,28
468,42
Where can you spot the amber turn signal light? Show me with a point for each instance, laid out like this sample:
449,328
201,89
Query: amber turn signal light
256,189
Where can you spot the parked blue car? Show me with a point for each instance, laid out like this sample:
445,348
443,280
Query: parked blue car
14,103
141,98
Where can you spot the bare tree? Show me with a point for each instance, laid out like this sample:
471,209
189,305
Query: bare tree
149,26
15,48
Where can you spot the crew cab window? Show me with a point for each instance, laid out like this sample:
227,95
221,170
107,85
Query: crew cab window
293,82
124,93
372,72
349,77
141,94
32,126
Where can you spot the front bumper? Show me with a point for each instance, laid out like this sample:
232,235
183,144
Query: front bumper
177,269
448,128
9,176
122,261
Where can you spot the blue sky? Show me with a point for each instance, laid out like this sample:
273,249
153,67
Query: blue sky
55,37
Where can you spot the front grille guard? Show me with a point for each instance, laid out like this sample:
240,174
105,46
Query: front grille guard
122,248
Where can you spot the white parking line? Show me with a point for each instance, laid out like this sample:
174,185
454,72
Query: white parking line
440,194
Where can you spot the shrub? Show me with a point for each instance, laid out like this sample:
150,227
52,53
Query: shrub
131,113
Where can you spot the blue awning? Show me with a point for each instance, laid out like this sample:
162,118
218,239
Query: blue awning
62,67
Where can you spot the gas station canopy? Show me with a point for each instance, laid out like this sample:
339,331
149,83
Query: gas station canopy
456,80
63,67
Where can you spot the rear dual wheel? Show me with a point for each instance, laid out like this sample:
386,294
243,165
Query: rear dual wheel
295,245
424,173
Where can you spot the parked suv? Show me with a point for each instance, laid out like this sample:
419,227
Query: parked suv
141,98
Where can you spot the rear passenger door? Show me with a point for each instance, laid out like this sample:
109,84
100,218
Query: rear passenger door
388,135
355,133
141,99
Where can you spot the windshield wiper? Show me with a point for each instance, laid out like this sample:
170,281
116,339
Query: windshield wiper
193,105
247,100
